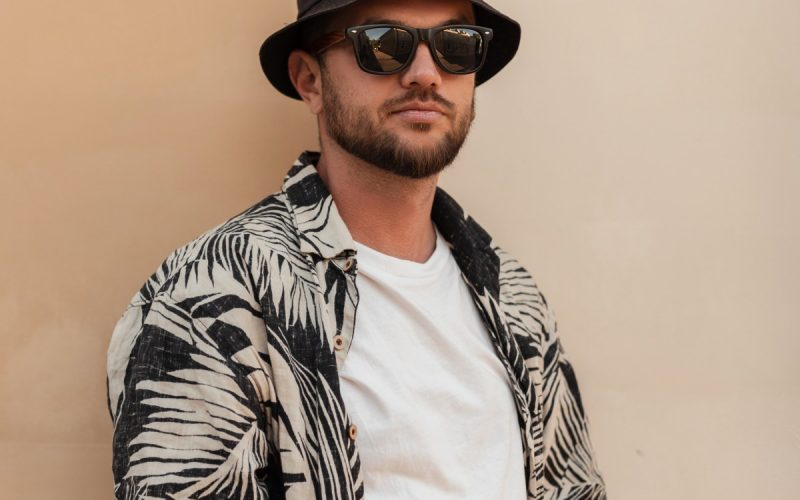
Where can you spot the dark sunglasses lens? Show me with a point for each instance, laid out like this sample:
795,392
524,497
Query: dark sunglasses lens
459,50
384,50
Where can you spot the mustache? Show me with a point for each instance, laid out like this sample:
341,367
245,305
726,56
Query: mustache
422,95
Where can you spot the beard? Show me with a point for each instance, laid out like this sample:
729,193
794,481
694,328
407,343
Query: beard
355,131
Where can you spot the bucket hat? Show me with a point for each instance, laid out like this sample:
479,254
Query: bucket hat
275,50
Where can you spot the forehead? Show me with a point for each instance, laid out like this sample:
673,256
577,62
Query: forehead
415,13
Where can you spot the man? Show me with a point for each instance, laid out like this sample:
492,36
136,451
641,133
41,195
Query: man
354,335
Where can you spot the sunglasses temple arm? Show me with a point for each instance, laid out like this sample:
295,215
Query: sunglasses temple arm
325,42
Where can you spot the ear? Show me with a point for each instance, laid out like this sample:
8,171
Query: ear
304,72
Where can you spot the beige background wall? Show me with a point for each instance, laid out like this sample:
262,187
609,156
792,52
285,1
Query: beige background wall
641,158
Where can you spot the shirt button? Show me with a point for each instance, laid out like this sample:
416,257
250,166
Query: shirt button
338,342
352,432
348,264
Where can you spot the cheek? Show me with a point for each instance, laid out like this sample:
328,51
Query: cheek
340,67
458,87
463,94
344,74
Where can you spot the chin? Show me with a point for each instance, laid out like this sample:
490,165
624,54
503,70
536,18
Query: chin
420,140
422,131
419,127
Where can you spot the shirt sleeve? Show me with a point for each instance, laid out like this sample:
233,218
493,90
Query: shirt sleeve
191,417
570,467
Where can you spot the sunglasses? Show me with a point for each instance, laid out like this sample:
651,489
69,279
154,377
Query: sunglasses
385,49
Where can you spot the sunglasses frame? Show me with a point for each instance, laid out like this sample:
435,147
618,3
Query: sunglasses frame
420,35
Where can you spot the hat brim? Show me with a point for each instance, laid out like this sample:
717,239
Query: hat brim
275,50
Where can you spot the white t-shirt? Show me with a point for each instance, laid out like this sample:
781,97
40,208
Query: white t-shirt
432,402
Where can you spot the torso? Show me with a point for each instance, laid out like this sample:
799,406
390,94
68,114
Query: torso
426,389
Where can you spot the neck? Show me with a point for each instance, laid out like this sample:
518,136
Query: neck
384,211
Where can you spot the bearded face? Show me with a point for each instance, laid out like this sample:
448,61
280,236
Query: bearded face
380,134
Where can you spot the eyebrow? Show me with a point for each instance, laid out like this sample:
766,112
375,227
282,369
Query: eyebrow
383,20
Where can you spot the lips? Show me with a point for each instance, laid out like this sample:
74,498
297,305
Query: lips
419,112
420,107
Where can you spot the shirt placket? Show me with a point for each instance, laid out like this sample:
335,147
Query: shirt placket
345,322
336,276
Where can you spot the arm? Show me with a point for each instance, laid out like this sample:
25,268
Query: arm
567,459
570,469
190,419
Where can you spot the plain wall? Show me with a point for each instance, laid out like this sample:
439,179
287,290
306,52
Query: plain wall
641,158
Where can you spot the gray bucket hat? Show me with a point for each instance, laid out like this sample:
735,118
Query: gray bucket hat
275,50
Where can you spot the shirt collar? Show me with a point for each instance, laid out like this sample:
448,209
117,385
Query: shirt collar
320,228
322,231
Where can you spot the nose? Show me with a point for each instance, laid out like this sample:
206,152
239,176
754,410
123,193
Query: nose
423,70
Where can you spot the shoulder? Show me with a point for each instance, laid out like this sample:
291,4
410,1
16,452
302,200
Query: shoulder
522,299
488,266
241,248
222,272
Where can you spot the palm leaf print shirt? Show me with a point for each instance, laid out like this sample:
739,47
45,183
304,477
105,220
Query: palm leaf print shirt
223,371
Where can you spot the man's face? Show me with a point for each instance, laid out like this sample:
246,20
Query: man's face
411,123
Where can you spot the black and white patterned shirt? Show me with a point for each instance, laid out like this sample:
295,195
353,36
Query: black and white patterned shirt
223,371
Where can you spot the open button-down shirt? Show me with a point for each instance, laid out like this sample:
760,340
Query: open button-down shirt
223,371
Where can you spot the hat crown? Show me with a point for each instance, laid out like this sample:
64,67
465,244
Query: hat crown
303,6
